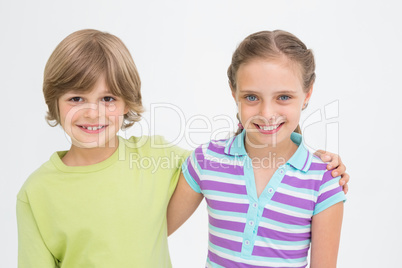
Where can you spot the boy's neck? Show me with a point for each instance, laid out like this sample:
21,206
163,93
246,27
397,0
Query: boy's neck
77,156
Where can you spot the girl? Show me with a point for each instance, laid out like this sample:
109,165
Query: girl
268,197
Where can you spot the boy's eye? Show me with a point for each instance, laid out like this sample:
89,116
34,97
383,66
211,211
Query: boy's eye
108,99
251,98
76,99
284,97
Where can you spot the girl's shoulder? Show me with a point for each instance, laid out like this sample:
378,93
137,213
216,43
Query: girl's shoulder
215,156
217,149
316,163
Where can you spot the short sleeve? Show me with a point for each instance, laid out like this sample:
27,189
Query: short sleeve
176,156
173,182
330,193
191,171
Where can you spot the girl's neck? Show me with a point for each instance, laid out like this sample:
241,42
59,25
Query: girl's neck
78,156
280,153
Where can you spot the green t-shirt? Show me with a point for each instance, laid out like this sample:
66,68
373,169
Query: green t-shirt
110,214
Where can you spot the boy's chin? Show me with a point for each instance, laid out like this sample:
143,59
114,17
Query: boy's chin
86,145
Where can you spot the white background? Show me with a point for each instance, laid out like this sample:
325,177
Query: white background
182,50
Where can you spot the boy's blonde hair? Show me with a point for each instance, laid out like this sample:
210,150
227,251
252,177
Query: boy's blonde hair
78,62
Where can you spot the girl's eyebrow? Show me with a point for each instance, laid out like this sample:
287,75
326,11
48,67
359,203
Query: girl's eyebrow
249,91
276,92
286,92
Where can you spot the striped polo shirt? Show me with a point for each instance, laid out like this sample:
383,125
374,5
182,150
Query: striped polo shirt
273,230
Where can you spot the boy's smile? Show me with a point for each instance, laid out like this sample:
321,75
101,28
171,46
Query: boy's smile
93,129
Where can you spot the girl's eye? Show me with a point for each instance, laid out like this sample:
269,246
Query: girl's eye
251,98
108,99
284,98
76,99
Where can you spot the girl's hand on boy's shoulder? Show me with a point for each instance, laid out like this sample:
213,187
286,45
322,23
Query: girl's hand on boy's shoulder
338,168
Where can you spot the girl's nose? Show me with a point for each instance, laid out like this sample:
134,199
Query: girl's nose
267,111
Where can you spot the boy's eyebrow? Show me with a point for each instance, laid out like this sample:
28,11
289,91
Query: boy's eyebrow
76,92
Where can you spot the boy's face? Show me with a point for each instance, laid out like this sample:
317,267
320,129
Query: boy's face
92,119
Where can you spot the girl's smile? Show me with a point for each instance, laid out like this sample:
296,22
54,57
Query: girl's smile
268,129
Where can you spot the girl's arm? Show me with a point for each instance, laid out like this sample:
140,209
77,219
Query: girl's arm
325,236
182,204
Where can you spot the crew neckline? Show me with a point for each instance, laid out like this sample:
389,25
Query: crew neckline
59,164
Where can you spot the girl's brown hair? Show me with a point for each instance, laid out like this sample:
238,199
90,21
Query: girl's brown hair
273,45
78,62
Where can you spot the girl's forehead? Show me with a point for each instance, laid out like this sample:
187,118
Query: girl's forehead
280,62
260,74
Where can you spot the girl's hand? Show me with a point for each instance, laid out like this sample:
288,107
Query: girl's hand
335,163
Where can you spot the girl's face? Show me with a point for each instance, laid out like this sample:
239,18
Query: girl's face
270,98
92,119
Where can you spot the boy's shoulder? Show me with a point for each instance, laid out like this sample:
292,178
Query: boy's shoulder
146,142
37,178
151,145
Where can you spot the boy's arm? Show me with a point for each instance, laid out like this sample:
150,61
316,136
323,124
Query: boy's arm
182,204
338,167
325,236
32,251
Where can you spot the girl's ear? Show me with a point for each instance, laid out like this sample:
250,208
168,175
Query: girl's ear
308,96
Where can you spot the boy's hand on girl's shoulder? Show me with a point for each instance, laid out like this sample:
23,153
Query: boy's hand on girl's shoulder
338,168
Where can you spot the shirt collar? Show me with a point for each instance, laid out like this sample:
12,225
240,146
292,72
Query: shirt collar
235,145
300,160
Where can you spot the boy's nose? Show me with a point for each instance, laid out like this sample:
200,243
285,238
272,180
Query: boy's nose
91,110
